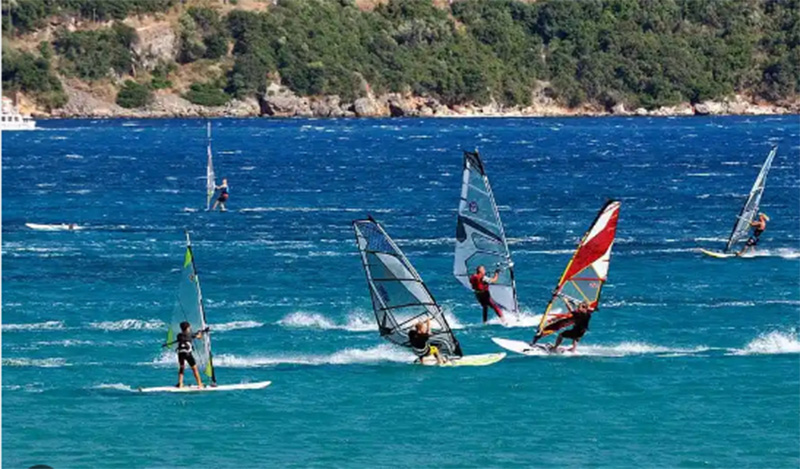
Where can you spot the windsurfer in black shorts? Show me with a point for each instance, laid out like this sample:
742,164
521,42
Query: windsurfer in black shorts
223,196
419,336
759,226
185,347
580,324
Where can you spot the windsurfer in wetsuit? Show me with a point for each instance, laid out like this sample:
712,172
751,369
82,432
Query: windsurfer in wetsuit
418,336
223,196
759,226
480,285
580,324
185,347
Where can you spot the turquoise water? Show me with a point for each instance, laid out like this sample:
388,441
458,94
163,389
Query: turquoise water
691,361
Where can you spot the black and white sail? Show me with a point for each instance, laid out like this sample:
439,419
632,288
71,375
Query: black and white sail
400,298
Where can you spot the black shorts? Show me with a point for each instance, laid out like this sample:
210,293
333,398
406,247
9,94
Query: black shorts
186,358
752,241
573,333
223,197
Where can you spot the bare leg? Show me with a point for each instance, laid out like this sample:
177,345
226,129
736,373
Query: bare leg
559,339
222,207
180,377
574,345
197,376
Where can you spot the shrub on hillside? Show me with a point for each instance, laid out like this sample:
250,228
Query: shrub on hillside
134,95
206,94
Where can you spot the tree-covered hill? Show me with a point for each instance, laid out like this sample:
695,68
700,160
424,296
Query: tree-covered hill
641,53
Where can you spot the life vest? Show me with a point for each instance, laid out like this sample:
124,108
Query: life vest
478,284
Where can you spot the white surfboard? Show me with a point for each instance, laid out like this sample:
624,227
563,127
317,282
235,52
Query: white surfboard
221,387
56,227
467,360
522,347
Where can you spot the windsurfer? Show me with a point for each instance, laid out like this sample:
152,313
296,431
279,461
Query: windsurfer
419,337
580,324
480,285
759,226
223,196
184,349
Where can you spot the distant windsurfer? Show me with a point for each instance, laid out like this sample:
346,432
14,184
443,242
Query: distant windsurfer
480,285
759,226
223,196
580,324
419,337
185,347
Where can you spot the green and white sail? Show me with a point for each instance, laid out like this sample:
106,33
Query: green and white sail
211,182
480,238
400,298
741,228
189,308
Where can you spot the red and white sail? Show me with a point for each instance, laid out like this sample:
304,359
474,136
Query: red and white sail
587,271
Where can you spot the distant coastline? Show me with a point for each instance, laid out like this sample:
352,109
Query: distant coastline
281,102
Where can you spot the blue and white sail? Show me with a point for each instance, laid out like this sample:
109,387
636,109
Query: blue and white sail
741,228
480,238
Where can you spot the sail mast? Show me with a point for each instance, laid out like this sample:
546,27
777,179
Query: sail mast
203,321
211,182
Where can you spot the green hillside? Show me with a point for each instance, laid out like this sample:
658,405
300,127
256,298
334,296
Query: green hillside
642,53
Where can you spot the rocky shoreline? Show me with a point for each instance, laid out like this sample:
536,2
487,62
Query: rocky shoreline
279,101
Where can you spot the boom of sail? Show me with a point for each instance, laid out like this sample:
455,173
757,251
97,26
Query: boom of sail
587,271
189,308
741,228
480,239
400,298
211,182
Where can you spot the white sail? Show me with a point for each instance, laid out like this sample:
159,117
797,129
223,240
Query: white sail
741,228
211,182
400,298
189,308
480,239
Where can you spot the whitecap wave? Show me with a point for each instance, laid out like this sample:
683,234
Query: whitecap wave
114,386
129,324
379,354
771,343
39,326
356,321
524,319
35,362
233,325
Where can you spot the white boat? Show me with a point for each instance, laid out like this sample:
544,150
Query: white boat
12,119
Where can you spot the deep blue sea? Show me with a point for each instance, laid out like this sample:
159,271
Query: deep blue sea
690,362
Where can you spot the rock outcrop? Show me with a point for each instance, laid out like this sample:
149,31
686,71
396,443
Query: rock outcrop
157,43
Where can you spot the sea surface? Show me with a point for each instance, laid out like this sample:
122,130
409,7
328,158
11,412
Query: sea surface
690,361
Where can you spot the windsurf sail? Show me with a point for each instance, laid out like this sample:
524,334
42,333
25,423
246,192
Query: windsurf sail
480,239
189,307
741,228
211,182
586,272
400,298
